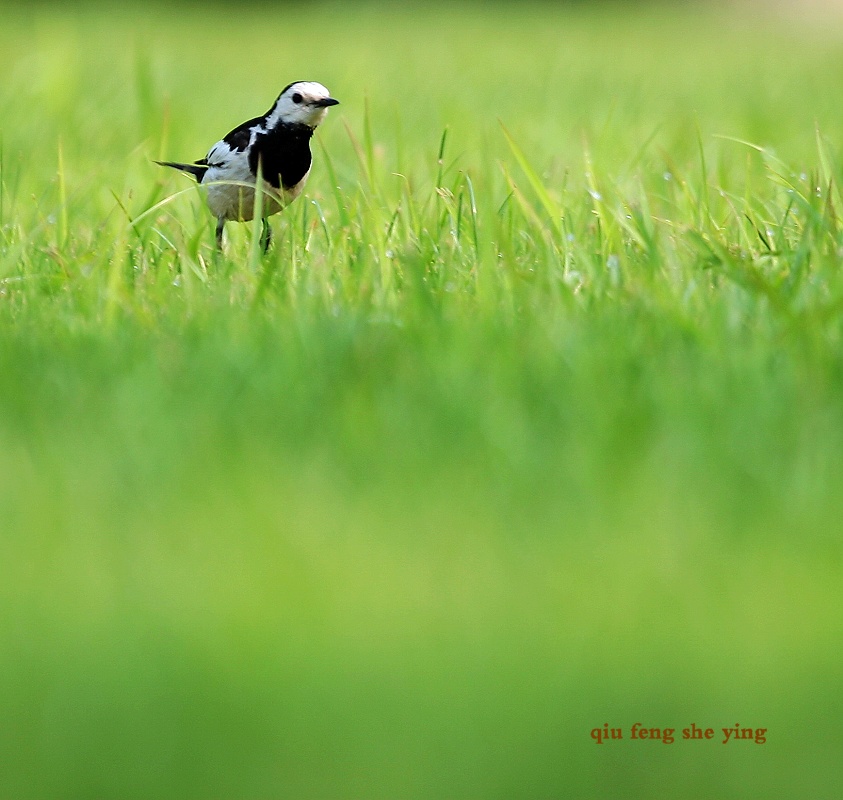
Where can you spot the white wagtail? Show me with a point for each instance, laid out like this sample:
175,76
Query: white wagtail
276,145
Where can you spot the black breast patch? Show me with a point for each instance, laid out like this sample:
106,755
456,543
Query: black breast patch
283,154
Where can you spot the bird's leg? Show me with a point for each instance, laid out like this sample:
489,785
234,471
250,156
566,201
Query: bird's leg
220,226
266,235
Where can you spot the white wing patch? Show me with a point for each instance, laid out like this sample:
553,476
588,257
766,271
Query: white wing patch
227,198
219,155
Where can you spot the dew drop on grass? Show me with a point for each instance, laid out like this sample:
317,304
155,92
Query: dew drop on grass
613,265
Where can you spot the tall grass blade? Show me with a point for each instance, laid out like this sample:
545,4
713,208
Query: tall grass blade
552,209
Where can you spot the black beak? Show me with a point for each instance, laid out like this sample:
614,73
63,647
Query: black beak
325,102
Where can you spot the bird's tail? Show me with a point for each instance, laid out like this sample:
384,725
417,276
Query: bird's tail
197,170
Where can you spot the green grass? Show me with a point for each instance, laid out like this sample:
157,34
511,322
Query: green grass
532,420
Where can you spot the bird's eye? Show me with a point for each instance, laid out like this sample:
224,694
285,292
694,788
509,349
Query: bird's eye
297,98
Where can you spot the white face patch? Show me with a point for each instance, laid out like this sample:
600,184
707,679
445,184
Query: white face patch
301,104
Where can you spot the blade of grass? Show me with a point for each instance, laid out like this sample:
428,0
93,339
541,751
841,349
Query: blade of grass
551,208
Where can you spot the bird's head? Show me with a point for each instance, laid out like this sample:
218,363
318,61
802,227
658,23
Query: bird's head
302,103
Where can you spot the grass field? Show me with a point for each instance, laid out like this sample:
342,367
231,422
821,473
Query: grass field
532,420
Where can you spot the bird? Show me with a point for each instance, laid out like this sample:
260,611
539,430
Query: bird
275,146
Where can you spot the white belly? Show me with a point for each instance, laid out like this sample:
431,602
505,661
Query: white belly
231,193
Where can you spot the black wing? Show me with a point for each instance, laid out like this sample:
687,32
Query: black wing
238,139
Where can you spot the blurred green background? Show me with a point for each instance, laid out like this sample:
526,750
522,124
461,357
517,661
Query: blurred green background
405,511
